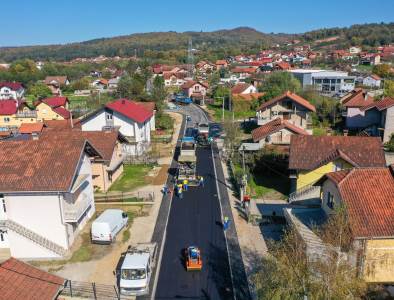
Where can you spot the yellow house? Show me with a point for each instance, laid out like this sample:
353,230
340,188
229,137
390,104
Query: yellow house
13,113
54,108
311,157
106,168
368,197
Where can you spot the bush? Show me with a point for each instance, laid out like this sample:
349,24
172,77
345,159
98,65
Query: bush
164,122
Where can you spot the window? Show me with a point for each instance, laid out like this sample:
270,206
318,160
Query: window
332,88
338,81
326,80
330,200
6,119
333,81
3,203
318,81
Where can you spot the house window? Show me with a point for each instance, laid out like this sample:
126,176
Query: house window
330,200
3,203
6,119
197,88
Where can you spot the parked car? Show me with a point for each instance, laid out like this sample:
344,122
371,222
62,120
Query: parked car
107,226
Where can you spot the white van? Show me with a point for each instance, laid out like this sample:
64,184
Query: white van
107,225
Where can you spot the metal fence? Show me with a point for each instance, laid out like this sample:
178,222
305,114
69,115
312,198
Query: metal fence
90,290
141,159
141,196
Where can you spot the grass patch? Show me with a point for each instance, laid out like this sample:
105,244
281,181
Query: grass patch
269,185
218,112
133,176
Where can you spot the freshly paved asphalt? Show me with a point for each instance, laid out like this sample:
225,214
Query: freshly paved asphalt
196,220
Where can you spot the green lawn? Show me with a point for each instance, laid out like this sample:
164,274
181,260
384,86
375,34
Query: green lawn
218,113
319,131
133,176
269,186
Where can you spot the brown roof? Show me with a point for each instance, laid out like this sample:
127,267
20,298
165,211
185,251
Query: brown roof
249,70
191,83
221,62
368,195
29,128
310,152
59,79
21,281
274,126
103,141
380,105
151,106
358,98
288,95
40,165
240,88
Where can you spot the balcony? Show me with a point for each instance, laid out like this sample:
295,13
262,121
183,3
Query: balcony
27,114
73,211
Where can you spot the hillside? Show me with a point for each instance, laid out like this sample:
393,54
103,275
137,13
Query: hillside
216,44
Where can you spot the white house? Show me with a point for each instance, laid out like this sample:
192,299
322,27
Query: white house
243,89
46,195
11,90
133,120
355,50
372,81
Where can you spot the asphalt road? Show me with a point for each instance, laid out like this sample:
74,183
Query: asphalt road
196,220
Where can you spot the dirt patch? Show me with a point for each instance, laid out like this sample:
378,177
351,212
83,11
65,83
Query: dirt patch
161,176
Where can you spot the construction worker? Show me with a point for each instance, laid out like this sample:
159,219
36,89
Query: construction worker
180,187
180,192
201,181
226,223
185,185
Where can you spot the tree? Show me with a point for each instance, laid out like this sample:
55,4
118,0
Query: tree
39,90
389,88
159,92
279,82
291,273
81,84
131,87
382,70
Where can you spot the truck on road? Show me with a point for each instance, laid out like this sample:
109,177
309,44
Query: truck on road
187,161
203,134
136,269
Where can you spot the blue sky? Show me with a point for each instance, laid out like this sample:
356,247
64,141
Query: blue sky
32,22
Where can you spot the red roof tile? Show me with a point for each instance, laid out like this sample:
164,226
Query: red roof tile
283,65
274,126
240,88
368,195
380,105
55,101
247,97
359,98
191,83
61,124
20,281
61,111
40,165
130,109
11,85
8,107
29,128
298,99
249,70
311,152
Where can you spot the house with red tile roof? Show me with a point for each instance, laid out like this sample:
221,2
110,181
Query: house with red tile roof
55,83
222,63
282,66
353,102
11,90
46,194
288,106
243,72
367,194
53,108
21,281
311,157
195,89
174,79
276,132
373,81
13,113
132,119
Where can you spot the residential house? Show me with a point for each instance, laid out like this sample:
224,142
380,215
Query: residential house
288,106
132,120
32,130
11,90
245,91
244,72
205,67
368,197
355,50
113,83
282,66
13,113
220,64
373,81
106,168
276,132
174,79
378,118
21,281
45,206
194,89
100,84
370,59
311,157
353,103
54,108
55,83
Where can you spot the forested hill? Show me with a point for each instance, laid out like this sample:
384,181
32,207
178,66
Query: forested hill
216,44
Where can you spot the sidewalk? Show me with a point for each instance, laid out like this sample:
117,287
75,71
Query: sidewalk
251,240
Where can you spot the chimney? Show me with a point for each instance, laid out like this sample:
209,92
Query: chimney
345,132
35,136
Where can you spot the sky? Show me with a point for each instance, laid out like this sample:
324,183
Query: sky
36,22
